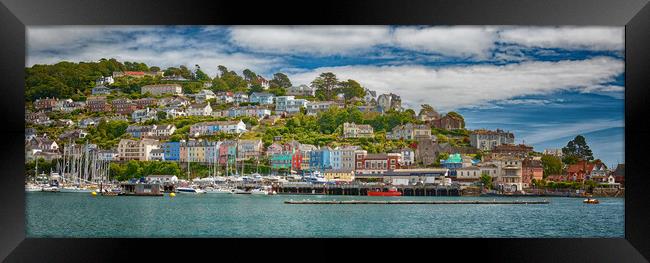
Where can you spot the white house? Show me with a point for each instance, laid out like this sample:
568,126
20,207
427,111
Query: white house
199,109
204,95
262,98
144,115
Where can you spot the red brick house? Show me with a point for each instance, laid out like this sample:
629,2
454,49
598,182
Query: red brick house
531,169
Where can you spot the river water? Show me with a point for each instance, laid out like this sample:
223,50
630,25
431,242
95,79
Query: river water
227,215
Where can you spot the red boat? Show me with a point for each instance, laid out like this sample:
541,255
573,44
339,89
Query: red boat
390,192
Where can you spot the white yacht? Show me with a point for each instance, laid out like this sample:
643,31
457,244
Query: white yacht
259,191
33,188
190,190
217,190
74,189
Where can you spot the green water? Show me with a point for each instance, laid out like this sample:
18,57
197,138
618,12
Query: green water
226,215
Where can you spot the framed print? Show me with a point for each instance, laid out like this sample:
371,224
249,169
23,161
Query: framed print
211,124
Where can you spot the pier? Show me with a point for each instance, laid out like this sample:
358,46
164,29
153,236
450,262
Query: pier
362,190
399,202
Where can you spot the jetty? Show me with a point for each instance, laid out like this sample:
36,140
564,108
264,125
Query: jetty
400,202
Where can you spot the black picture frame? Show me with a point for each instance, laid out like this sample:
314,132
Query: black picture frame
634,15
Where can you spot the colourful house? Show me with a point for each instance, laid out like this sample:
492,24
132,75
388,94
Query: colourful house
172,151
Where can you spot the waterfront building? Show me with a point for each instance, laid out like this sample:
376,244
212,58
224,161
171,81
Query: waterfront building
171,151
407,176
470,174
261,98
199,151
304,150
619,174
377,163
248,149
410,131
455,161
210,128
162,89
531,169
487,140
509,178
339,175
407,158
320,159
274,148
281,160
585,170
227,152
353,130
301,90
138,150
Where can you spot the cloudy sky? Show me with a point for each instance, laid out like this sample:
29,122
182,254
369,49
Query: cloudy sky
545,84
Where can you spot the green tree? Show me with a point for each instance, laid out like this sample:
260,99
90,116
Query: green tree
577,149
280,80
351,89
552,165
486,180
161,115
326,85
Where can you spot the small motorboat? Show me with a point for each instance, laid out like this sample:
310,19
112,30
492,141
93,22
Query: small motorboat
239,191
390,192
591,201
259,192
211,190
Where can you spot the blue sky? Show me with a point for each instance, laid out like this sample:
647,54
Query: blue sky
546,84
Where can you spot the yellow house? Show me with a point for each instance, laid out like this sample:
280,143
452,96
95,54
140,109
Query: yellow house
339,175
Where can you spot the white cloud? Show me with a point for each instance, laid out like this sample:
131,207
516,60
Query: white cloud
163,47
571,129
454,87
318,40
459,41
572,38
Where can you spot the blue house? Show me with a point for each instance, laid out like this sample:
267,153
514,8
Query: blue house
172,151
320,159
453,162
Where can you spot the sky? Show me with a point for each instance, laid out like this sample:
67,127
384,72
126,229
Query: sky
545,84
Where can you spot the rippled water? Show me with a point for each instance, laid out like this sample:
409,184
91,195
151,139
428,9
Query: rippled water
226,215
